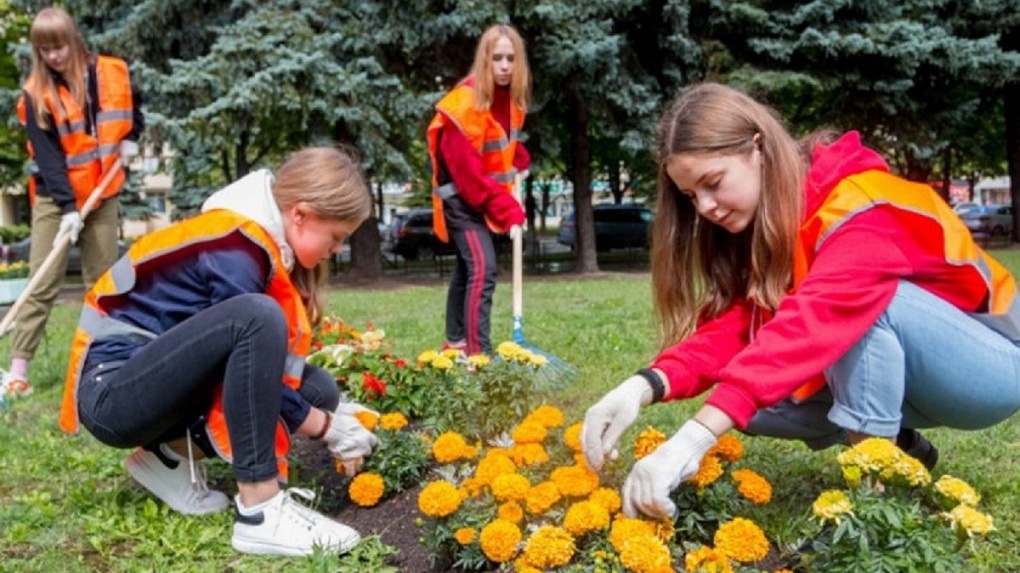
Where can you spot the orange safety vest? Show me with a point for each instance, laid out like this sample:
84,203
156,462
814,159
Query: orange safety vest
486,136
89,156
858,193
206,228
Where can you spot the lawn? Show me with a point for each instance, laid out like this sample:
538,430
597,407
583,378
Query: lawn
67,504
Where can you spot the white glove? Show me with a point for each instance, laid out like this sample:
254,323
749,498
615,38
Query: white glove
70,224
516,232
352,408
128,149
654,476
610,417
349,442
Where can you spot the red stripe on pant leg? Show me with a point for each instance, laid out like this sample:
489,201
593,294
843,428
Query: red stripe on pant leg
475,285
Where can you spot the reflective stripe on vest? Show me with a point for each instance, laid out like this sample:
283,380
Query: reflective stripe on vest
861,192
89,156
485,135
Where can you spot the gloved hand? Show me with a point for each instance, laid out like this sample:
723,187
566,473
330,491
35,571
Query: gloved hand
349,442
654,476
70,224
128,149
516,232
610,417
352,408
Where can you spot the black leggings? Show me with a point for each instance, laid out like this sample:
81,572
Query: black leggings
167,386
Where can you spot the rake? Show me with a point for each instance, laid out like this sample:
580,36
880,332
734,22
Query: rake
556,373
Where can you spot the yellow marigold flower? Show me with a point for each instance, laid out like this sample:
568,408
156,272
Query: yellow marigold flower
478,361
366,489
585,516
707,560
394,421
452,353
647,441
442,363
966,519
510,511
450,447
494,464
741,540
465,535
549,546
439,499
542,497
871,455
709,471
852,475
607,498
908,470
528,433
728,448
832,505
664,528
537,360
957,490
572,436
367,419
427,357
472,487
752,486
547,416
522,566
499,540
646,554
783,571
508,350
575,481
624,528
528,454
510,487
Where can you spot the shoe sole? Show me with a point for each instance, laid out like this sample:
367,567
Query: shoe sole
140,473
262,547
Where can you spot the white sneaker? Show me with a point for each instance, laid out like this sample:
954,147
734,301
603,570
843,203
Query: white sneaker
176,486
286,527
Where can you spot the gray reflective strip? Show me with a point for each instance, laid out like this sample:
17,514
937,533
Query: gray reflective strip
74,126
495,145
515,134
445,191
33,167
82,158
294,366
505,177
123,274
108,150
101,326
113,115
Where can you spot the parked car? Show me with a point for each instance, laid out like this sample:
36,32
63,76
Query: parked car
411,236
965,206
616,227
19,252
989,220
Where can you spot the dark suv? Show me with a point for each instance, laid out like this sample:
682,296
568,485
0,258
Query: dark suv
411,236
616,227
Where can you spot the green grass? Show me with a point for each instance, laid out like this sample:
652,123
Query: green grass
66,503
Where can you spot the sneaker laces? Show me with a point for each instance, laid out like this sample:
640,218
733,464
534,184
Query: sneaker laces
198,475
307,514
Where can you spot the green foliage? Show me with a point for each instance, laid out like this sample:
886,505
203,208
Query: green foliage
13,155
401,458
13,233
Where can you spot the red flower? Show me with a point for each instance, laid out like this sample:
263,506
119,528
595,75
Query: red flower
373,385
400,363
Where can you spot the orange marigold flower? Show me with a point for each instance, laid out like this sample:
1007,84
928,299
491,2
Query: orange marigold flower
585,516
465,535
394,421
367,419
521,565
450,447
647,441
510,511
549,546
752,486
499,540
646,554
528,432
547,416
728,447
510,487
741,540
494,464
575,481
783,571
542,497
572,436
366,489
439,499
607,498
708,560
709,471
624,528
528,454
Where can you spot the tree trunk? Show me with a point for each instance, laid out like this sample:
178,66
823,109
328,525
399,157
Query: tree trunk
580,177
947,173
366,251
1011,94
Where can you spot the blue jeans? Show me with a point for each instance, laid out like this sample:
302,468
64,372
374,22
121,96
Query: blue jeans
924,363
167,386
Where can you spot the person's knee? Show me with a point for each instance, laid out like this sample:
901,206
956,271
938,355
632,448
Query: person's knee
262,311
319,387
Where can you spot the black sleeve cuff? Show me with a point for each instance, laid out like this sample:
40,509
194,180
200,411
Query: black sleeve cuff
655,381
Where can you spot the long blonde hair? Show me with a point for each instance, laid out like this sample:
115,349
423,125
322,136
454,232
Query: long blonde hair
330,182
700,269
52,28
520,83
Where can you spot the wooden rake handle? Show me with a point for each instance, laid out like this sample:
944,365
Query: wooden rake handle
60,244
518,263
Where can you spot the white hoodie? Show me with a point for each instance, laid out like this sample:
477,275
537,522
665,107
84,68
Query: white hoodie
252,196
